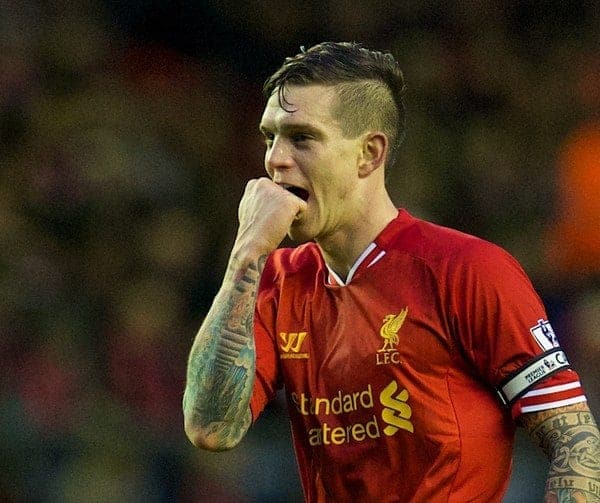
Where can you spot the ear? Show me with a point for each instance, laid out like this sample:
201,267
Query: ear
373,154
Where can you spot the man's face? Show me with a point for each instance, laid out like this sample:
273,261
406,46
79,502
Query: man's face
307,153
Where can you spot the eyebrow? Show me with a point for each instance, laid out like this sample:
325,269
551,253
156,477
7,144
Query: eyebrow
292,128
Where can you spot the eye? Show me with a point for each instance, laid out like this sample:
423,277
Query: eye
268,138
300,137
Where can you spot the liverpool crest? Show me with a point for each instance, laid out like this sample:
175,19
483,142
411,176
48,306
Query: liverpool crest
389,333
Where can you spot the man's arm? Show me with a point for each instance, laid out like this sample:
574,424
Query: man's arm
570,439
221,365
220,372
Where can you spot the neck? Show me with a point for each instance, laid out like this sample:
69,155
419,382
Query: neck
342,248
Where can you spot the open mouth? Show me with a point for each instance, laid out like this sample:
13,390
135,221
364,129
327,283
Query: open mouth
297,191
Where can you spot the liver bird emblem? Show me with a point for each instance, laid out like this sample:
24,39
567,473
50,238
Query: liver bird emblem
389,329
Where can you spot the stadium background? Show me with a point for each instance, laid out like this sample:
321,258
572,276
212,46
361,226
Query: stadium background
127,132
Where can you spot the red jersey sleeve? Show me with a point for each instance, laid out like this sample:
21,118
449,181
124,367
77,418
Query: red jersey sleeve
267,376
501,324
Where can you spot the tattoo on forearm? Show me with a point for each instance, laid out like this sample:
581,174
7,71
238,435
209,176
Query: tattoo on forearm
560,492
571,441
221,365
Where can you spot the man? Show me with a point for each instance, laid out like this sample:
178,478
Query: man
407,350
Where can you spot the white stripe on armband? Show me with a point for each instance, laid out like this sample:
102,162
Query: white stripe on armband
524,379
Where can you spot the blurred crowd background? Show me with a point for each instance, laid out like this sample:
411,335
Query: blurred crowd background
127,132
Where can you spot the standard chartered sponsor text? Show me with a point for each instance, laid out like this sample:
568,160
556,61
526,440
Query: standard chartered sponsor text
341,404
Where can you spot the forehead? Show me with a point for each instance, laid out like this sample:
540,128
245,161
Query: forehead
308,104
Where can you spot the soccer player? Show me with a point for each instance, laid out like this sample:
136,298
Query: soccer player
408,351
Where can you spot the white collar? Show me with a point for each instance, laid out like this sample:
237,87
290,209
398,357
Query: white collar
372,251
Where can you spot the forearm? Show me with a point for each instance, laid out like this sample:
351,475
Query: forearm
221,365
570,439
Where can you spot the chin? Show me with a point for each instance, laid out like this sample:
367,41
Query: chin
300,234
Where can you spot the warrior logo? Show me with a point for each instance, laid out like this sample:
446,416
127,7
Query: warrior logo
292,342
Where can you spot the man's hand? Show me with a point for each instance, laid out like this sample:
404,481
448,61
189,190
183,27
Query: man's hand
266,213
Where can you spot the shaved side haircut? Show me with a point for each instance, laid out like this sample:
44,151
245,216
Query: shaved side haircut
369,84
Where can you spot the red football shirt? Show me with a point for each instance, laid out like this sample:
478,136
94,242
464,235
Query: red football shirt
393,378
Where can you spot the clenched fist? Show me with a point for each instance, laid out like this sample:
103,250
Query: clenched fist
266,213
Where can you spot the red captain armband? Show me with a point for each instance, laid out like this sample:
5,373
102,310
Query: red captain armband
521,381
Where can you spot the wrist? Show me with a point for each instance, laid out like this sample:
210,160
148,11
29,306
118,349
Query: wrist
244,259
248,250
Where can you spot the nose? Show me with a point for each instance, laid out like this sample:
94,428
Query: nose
278,157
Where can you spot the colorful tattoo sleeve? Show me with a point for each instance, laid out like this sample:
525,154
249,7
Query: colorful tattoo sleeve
569,437
221,365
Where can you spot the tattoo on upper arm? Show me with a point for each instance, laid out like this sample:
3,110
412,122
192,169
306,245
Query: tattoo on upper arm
221,367
570,439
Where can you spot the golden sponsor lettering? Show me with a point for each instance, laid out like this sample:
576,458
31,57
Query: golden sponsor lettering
396,414
341,403
358,432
